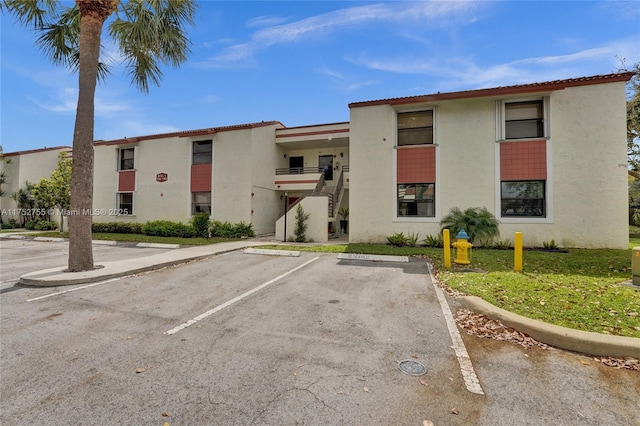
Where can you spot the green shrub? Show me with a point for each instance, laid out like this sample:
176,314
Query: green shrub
412,239
501,245
45,225
244,230
433,241
117,227
222,229
166,228
550,245
30,224
478,222
230,230
200,224
398,239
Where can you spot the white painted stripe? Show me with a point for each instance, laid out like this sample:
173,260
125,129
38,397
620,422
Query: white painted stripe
468,373
236,299
73,289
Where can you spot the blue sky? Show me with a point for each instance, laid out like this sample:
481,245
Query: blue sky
303,62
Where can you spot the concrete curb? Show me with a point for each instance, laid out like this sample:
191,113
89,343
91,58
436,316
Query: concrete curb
554,335
373,257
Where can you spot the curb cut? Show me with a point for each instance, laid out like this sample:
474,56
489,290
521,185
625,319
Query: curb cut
561,337
158,245
267,252
49,239
373,257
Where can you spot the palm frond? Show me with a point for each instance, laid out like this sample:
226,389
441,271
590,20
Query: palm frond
152,32
31,13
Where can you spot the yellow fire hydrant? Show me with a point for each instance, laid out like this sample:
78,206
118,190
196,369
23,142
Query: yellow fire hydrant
463,248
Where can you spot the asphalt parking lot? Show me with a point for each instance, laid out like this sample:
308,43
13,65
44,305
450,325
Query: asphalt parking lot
251,339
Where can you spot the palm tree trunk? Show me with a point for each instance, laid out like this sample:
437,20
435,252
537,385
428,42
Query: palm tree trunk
80,248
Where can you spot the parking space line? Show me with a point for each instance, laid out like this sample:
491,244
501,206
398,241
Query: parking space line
57,293
237,299
468,373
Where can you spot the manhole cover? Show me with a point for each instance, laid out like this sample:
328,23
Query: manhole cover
412,368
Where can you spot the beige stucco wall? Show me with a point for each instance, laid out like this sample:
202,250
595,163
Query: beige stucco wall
22,167
170,200
588,173
317,230
243,166
266,205
587,183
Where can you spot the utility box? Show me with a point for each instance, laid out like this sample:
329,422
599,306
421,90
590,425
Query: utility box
635,265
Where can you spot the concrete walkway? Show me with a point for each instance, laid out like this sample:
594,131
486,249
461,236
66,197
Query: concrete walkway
58,277
561,337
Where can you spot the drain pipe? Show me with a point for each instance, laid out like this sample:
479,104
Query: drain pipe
286,202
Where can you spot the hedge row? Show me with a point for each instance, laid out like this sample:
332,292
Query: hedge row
200,226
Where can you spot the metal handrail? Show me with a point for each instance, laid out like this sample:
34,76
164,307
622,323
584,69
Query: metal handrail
297,170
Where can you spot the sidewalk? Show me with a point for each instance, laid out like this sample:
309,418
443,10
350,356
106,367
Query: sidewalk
58,277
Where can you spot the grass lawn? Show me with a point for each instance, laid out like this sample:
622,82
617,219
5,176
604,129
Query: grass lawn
579,289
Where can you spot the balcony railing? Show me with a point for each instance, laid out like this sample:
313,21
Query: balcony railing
298,170
303,170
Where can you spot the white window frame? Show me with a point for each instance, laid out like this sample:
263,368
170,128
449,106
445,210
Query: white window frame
193,203
193,153
501,114
432,108
119,154
548,189
394,186
118,194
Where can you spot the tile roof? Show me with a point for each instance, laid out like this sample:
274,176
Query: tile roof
34,151
502,90
188,133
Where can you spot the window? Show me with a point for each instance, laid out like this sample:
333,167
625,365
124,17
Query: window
523,198
415,128
524,120
126,158
202,152
416,199
125,203
201,202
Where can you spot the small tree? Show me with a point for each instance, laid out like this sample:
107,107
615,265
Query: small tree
25,202
55,191
3,175
479,223
301,225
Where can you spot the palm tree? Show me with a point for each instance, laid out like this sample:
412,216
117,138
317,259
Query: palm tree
146,32
479,223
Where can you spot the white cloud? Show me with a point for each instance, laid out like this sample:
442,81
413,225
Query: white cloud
436,13
456,72
265,21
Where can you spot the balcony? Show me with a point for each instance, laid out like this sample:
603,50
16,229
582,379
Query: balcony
304,178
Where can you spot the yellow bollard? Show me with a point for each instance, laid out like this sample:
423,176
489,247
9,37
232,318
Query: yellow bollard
517,252
446,247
